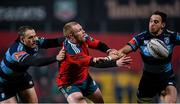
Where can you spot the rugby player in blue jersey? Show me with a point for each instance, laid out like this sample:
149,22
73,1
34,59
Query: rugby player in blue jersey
14,78
158,76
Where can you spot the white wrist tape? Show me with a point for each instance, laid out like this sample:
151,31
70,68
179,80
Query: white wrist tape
109,57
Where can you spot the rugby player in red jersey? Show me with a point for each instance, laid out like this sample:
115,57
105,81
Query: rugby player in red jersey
73,79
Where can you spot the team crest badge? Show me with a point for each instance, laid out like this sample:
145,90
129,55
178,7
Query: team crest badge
166,40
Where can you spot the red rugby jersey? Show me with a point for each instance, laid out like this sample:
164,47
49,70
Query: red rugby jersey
74,68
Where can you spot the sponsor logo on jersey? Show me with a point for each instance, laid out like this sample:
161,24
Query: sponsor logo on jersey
132,41
17,55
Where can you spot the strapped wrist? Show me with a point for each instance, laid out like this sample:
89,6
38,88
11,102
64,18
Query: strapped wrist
109,58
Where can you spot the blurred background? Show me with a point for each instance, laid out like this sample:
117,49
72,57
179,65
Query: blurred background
114,22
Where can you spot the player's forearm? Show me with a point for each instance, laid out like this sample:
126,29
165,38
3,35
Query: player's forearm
50,43
125,50
103,63
102,47
41,61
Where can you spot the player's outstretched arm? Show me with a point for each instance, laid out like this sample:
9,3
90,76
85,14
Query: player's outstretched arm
31,60
125,50
121,52
105,63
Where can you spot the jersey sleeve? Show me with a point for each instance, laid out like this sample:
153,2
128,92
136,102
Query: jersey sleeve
133,43
103,63
92,43
25,59
19,56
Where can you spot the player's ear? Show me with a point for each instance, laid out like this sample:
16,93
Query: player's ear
21,38
71,35
163,25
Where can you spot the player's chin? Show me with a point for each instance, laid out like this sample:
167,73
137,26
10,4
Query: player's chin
34,46
153,30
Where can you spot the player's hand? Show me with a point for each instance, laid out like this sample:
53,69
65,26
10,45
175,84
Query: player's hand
61,54
124,62
112,52
114,56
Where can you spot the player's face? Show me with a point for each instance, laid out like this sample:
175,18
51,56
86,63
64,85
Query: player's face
155,24
29,39
78,33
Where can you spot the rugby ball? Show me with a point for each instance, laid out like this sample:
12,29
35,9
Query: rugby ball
157,48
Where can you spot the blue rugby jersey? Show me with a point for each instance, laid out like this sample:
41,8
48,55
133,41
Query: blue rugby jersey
11,65
152,64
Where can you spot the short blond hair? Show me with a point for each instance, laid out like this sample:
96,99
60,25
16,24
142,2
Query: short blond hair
67,29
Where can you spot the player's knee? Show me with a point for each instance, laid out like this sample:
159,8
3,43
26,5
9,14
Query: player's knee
168,99
77,100
171,98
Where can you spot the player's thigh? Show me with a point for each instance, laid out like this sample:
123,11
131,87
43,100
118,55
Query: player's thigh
147,89
76,97
8,92
28,95
73,94
26,90
9,100
96,97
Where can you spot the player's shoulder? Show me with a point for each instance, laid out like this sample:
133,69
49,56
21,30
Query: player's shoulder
16,47
169,31
141,35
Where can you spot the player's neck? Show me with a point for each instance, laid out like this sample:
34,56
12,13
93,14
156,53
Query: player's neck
72,42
